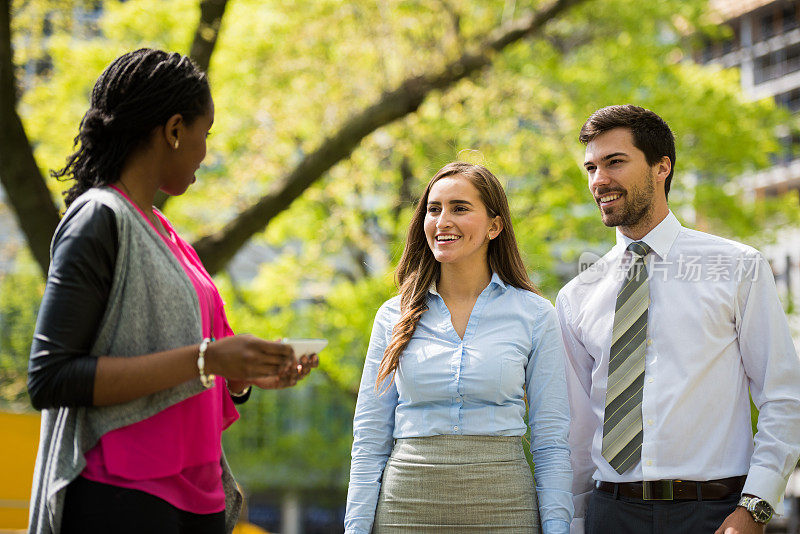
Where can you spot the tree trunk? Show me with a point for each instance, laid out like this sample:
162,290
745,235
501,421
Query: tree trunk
25,188
205,37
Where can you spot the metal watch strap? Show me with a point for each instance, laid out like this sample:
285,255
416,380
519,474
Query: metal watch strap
760,510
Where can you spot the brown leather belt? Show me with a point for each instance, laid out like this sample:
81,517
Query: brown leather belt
675,490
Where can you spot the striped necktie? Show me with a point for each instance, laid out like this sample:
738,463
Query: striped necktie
622,426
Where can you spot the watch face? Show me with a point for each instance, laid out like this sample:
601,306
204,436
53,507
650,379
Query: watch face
760,510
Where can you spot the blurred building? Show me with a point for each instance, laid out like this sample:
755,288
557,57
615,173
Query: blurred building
765,46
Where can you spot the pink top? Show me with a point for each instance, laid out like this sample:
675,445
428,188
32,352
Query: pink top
175,454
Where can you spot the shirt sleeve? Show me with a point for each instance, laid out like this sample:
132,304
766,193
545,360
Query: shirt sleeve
579,383
61,371
373,428
773,372
548,414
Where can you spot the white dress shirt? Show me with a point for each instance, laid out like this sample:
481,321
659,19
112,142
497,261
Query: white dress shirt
716,331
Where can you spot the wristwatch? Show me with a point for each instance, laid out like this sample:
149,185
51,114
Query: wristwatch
758,508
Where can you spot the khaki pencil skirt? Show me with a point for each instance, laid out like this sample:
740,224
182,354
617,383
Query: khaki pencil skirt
457,484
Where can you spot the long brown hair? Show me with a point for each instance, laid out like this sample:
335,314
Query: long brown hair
418,269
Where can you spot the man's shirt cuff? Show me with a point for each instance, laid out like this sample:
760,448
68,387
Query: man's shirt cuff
766,484
555,526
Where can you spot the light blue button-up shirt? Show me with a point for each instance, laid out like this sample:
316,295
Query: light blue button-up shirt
476,386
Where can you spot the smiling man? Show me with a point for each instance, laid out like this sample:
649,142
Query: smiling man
667,337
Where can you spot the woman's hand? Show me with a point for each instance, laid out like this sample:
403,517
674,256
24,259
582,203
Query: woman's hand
290,378
240,359
247,358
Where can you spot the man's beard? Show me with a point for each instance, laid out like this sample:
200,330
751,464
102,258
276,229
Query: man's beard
637,207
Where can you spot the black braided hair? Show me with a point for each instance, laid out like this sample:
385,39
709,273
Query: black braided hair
135,93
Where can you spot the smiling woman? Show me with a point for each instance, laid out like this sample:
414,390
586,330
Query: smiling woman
451,362
458,226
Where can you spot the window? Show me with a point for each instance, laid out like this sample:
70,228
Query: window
789,150
767,26
727,46
789,100
777,64
792,59
793,151
708,52
764,68
789,17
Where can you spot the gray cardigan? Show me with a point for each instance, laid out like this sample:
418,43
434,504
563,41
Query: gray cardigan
152,306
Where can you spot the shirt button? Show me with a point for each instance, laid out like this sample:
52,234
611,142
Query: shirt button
649,341
651,380
649,462
455,429
649,421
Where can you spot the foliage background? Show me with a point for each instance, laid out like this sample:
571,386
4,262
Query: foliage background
286,74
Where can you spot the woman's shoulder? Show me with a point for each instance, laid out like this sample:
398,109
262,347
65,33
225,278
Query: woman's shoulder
86,241
389,310
529,298
386,317
97,197
89,216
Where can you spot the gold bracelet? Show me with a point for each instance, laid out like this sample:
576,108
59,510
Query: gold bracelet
239,395
206,379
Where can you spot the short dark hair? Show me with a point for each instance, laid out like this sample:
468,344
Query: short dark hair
651,134
135,93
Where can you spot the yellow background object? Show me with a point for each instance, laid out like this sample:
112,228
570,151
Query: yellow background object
19,439
246,528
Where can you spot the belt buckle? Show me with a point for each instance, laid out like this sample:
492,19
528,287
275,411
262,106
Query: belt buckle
657,490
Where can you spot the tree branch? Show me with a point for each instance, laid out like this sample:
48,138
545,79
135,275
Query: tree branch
217,249
455,22
27,192
405,197
205,37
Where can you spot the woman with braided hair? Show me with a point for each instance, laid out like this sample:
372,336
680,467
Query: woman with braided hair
133,362
441,408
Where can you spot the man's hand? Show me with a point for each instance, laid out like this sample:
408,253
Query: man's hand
740,522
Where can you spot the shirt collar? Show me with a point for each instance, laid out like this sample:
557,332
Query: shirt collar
659,239
495,280
432,289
